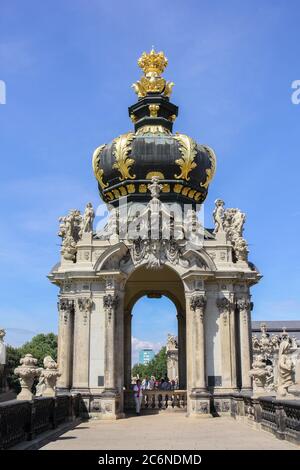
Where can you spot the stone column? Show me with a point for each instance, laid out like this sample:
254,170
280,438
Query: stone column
233,340
65,344
111,398
198,304
197,393
224,305
127,349
110,303
82,344
181,350
119,343
244,306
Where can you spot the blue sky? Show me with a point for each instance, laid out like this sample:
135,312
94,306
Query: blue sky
68,67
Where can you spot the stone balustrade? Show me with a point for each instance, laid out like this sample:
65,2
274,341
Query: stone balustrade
280,417
159,400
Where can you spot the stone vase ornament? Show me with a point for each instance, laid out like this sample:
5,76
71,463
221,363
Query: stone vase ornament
50,375
27,372
260,374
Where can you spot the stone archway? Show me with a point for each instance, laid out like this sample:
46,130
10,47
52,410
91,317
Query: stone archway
152,283
163,282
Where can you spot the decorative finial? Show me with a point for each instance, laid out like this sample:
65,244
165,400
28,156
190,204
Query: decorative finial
155,188
153,64
263,327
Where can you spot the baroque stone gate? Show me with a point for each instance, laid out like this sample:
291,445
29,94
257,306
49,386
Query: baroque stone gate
154,183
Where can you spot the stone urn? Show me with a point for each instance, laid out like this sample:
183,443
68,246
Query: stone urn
50,373
27,372
259,373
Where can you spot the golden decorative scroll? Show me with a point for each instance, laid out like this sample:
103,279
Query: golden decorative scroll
96,166
187,148
209,171
122,146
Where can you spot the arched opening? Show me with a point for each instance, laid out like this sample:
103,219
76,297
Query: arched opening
157,297
154,317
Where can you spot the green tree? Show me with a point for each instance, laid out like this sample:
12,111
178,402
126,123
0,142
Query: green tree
13,357
40,346
156,367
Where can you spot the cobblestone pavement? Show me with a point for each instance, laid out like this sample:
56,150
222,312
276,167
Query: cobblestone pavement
165,431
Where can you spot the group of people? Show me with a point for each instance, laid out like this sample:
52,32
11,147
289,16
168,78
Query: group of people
152,384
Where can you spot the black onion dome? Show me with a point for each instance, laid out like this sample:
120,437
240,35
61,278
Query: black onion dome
125,166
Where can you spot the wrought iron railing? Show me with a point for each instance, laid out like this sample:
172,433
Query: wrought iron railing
24,420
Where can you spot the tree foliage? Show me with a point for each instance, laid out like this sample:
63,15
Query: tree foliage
156,367
40,346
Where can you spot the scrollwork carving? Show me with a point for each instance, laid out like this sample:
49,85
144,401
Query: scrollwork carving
110,303
198,304
85,306
98,171
224,304
188,150
122,147
66,308
210,171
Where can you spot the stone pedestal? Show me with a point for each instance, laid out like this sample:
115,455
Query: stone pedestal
109,407
199,406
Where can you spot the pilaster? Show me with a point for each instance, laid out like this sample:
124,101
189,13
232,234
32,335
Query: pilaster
83,307
65,343
244,306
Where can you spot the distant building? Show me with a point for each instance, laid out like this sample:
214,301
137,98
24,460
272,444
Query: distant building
292,327
146,355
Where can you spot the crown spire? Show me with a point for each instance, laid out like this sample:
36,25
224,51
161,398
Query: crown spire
153,65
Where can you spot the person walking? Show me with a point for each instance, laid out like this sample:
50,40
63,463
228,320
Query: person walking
138,396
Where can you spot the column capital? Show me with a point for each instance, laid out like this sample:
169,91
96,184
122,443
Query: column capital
66,308
244,304
224,305
198,303
66,304
110,303
85,305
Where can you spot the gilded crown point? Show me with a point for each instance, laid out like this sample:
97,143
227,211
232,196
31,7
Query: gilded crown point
153,64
